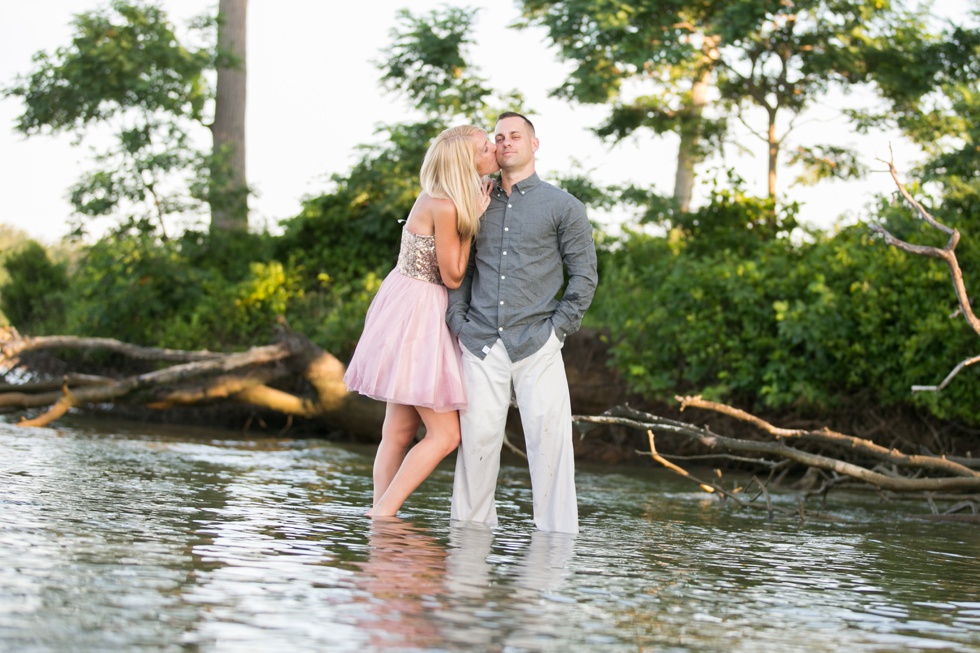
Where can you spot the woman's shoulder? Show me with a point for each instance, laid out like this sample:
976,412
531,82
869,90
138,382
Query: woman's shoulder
434,203
428,210
435,207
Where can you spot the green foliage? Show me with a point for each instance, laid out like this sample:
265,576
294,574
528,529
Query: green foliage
33,296
428,63
356,228
655,63
931,86
199,291
128,288
11,240
126,69
122,58
735,221
827,162
836,322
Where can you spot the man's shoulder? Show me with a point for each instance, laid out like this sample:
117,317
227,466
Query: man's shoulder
558,194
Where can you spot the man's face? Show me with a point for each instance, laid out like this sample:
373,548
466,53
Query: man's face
515,144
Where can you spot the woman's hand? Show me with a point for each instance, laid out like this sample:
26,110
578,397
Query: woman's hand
485,194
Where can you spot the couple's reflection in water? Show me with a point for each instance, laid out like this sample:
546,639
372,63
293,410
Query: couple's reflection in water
427,592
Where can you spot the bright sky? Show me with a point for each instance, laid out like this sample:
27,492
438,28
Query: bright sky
313,96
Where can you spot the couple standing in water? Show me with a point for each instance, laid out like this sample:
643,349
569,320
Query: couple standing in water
472,312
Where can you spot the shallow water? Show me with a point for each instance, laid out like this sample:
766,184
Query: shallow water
122,537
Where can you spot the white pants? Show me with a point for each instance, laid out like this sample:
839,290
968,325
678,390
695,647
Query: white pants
542,397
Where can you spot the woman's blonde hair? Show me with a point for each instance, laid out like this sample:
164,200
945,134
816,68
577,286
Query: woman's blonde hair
449,172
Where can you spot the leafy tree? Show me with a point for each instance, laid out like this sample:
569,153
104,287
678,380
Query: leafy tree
663,65
428,63
127,69
931,86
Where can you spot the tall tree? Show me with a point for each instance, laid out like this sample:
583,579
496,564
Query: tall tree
620,46
127,69
428,61
229,189
690,67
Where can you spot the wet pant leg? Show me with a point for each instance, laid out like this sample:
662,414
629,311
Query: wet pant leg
482,423
546,414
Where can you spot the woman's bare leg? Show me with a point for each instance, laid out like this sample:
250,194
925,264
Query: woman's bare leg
441,439
399,429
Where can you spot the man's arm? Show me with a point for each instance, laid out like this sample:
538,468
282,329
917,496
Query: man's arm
577,250
459,298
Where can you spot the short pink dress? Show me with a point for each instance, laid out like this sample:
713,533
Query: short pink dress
406,354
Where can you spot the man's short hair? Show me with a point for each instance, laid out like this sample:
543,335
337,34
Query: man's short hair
514,114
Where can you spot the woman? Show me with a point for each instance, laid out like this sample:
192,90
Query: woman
406,355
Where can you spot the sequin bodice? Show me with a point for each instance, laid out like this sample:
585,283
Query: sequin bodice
417,258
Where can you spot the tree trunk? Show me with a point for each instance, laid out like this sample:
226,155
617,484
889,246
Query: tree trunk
688,152
229,189
773,153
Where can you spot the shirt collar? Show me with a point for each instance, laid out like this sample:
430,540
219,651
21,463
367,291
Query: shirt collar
523,185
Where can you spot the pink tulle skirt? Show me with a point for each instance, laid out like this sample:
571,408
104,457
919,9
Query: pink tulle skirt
406,354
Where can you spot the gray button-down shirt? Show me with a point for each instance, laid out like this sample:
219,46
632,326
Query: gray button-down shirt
515,273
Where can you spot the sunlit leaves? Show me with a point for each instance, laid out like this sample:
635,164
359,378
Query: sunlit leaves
123,58
428,63
125,68
827,162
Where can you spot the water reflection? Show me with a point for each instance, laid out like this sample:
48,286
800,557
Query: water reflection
138,542
404,578
471,591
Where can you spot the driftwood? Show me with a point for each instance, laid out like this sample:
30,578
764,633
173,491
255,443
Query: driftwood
946,254
835,458
191,377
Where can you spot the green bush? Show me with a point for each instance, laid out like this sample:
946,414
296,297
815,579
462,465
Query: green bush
833,322
33,297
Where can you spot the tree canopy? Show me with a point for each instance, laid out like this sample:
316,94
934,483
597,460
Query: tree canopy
127,68
691,68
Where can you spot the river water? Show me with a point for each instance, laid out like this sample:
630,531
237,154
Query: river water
128,537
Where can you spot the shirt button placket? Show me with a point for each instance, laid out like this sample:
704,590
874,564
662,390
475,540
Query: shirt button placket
505,245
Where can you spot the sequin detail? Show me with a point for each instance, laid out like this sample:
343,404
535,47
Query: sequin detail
417,257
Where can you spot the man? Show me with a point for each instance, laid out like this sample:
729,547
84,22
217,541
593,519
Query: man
511,326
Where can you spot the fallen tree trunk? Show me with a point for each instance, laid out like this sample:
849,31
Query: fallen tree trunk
860,460
194,377
186,378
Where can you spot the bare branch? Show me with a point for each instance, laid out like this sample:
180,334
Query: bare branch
947,254
826,436
966,480
949,377
201,376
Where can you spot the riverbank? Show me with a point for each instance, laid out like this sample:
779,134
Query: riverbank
595,388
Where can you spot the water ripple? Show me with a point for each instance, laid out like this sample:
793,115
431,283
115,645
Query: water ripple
133,541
